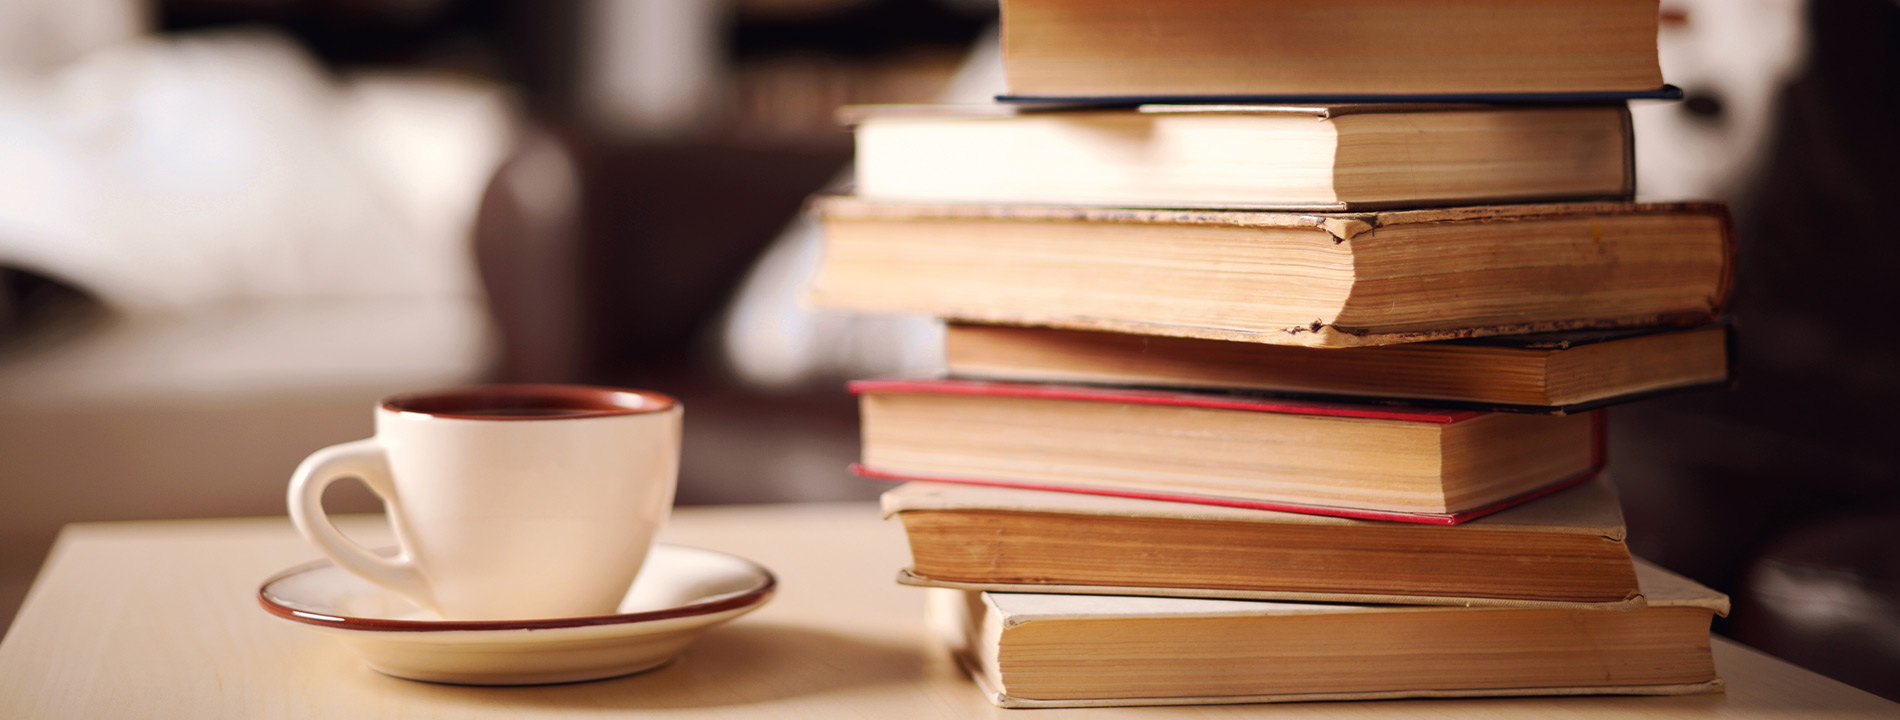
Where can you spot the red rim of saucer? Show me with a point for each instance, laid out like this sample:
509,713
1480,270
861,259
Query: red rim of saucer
752,596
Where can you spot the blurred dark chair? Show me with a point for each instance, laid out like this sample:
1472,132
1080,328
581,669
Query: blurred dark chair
1782,492
611,262
1826,596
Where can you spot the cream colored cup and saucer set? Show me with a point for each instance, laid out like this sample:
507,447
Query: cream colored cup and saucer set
524,517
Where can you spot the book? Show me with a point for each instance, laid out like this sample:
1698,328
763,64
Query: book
1107,49
1038,650
1236,156
1393,463
1315,279
1564,550
1561,372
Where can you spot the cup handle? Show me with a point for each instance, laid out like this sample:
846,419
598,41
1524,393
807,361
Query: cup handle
364,460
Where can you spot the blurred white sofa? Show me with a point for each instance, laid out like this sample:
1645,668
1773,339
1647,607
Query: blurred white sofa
271,249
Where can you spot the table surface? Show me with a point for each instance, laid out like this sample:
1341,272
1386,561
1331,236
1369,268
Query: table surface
159,619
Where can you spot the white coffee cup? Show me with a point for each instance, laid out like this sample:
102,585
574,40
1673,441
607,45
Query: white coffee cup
508,501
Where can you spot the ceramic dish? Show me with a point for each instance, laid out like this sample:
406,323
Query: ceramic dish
680,592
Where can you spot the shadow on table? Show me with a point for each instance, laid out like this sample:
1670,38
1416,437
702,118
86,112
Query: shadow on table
734,665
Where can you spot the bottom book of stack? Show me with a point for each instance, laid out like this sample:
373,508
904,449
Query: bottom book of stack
1044,650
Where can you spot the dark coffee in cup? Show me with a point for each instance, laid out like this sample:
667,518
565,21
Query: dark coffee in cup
502,402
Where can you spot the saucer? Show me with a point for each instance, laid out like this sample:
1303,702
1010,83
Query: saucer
680,592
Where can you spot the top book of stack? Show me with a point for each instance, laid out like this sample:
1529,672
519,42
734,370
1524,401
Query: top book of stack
1335,51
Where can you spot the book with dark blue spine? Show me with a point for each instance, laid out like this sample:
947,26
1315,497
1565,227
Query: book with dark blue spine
1132,51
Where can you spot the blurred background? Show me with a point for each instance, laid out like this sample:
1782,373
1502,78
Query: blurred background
227,227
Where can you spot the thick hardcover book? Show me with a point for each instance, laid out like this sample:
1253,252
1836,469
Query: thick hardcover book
1564,372
1314,279
1075,49
1362,461
1240,156
1565,550
1034,650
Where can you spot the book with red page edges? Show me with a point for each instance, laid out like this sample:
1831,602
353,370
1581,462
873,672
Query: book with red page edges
1416,465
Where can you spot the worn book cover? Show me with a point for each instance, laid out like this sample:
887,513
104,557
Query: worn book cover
1546,373
1311,279
1043,650
1565,550
1232,156
1124,443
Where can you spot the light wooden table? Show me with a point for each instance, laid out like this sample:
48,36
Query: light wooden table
159,620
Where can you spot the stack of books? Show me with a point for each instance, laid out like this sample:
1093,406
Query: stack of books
1275,360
